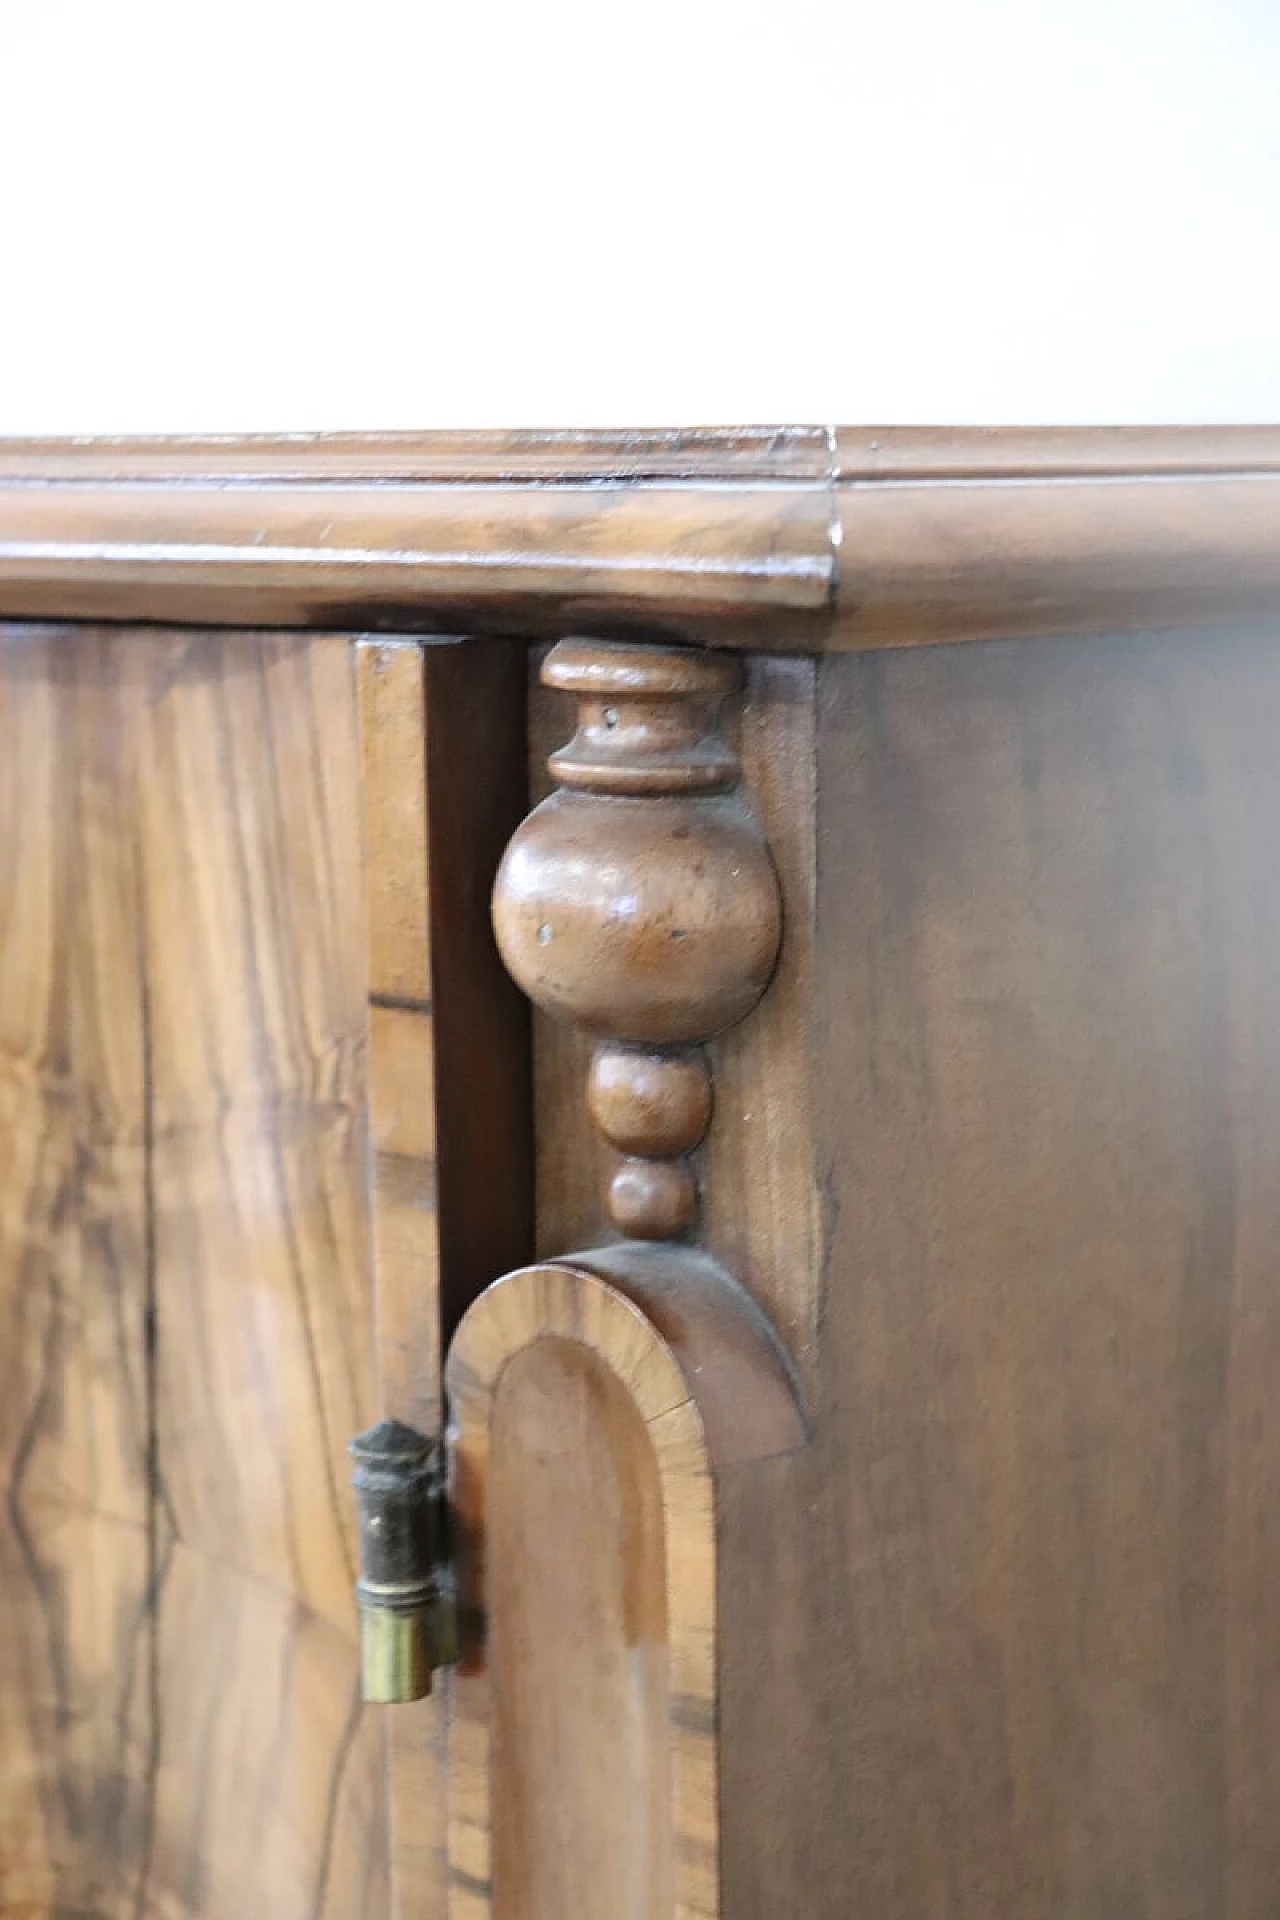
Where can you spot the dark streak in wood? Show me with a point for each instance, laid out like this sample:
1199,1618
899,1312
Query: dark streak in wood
399,1002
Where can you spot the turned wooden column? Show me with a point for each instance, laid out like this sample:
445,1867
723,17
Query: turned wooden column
640,900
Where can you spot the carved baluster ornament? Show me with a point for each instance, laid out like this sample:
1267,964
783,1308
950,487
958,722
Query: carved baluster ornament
641,901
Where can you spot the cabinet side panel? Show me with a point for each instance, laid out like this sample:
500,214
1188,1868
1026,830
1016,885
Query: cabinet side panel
1001,1644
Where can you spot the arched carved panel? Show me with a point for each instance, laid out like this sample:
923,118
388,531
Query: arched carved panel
695,1378
578,1643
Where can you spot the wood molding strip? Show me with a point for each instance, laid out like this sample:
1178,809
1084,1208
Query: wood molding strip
697,558
930,561
1044,453
776,454
796,539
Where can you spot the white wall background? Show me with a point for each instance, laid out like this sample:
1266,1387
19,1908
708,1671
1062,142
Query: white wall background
291,214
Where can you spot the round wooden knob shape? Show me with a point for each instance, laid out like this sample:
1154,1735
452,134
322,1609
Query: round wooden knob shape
650,1105
653,1199
651,920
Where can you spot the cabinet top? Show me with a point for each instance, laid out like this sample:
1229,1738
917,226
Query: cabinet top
789,538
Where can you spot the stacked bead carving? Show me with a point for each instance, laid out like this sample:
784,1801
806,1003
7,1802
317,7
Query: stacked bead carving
641,901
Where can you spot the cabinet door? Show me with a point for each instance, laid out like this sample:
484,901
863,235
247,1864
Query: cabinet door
213,952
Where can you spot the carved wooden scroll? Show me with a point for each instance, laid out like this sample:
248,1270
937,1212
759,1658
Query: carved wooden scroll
594,1398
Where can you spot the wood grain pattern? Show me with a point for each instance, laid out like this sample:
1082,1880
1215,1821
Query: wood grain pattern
405,1222
786,539
524,1310
578,1650
444,785
392,692
759,1175
189,1340
999,1645
442,745
644,453
421,557
402,1100
78,1751
933,560
1003,453
591,1401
